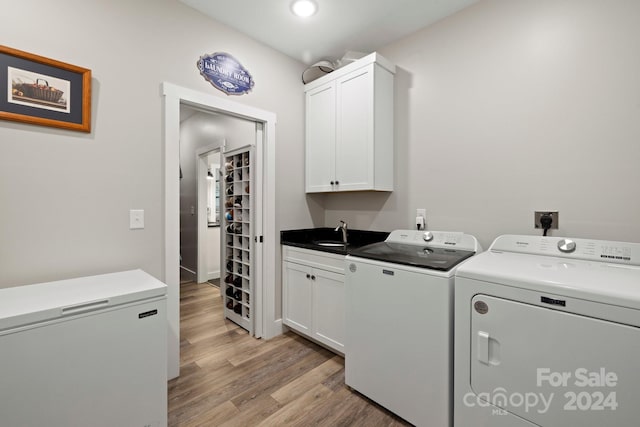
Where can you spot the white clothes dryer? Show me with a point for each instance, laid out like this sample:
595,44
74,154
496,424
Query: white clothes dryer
547,333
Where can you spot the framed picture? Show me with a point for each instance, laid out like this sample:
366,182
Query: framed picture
43,91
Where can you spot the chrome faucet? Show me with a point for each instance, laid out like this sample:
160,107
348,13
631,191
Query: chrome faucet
343,227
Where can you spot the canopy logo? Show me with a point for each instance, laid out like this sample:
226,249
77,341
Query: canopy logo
225,73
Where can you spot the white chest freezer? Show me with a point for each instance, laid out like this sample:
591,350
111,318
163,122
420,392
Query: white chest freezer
89,351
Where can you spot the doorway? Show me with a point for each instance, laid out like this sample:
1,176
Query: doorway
201,133
266,324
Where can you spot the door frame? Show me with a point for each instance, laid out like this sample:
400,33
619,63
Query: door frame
202,273
174,96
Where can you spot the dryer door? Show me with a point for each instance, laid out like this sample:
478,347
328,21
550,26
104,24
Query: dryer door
554,368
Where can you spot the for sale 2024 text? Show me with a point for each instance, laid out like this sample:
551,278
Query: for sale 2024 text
588,399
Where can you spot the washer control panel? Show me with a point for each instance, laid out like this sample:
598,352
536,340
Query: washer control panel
443,239
593,250
566,245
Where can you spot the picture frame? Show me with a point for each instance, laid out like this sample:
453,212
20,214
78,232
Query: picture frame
45,92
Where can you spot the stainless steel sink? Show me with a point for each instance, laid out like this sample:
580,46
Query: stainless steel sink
329,243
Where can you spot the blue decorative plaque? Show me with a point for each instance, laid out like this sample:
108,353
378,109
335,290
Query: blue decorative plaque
225,73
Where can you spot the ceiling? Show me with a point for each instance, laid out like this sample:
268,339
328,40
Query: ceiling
338,26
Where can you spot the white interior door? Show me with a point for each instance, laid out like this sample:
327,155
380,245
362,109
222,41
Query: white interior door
258,231
239,237
523,356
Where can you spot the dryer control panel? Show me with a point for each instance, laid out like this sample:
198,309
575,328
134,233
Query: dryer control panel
585,249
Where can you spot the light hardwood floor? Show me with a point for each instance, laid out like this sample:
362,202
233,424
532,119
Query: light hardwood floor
228,378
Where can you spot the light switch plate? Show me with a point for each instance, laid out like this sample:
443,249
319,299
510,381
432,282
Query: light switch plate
136,219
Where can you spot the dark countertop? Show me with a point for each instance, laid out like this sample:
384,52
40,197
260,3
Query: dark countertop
305,238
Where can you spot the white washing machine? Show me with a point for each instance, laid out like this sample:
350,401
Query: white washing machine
399,322
547,333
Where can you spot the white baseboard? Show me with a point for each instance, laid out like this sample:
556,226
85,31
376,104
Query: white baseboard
186,269
213,275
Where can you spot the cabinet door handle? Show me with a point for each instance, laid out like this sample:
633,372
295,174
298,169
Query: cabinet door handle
337,182
332,183
313,277
308,276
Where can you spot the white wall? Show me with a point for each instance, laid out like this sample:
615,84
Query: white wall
514,106
65,196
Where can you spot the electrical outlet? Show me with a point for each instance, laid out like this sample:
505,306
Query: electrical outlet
554,215
421,219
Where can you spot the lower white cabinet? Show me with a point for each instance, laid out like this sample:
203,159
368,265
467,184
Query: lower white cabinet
328,308
297,291
314,296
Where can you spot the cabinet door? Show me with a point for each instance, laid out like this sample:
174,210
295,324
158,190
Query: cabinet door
297,293
329,308
354,131
320,138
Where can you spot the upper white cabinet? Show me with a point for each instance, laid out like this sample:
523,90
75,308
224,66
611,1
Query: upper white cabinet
349,128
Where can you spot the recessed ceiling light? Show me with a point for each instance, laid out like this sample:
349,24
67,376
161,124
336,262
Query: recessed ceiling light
304,8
